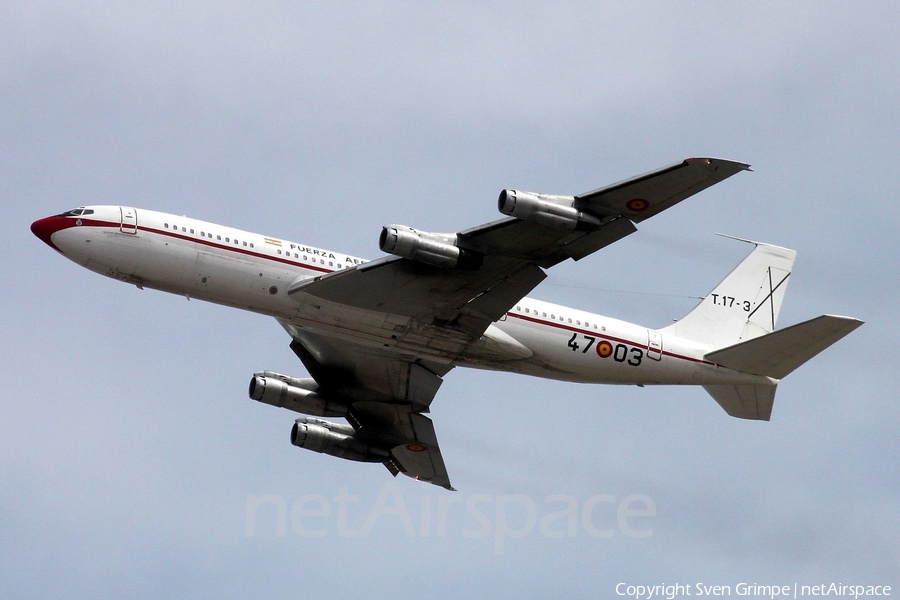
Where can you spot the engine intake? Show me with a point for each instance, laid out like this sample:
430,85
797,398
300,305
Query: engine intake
558,212
334,439
438,249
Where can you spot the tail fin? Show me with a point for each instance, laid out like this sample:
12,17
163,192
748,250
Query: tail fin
775,355
745,305
738,318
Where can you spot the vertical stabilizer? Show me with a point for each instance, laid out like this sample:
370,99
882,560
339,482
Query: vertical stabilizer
745,305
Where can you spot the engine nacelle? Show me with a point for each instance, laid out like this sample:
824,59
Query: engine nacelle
558,212
438,249
334,439
299,395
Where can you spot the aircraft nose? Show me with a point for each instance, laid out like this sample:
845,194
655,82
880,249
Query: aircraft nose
45,228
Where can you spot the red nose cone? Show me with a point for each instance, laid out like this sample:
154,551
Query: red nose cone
45,228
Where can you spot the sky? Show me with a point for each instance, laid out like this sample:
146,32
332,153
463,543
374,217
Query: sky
132,462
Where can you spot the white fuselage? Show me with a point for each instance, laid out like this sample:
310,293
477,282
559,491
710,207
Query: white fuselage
250,271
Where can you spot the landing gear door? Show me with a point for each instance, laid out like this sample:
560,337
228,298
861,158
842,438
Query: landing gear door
129,219
654,344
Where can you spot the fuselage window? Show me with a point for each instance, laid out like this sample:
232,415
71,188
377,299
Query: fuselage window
251,244
330,264
304,257
192,231
570,320
167,225
235,242
227,239
218,237
245,243
339,266
184,229
527,311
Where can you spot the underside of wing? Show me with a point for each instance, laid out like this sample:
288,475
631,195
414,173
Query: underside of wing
646,195
448,307
381,395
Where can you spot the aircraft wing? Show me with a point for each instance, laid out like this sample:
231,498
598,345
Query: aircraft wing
386,395
385,332
445,308
646,195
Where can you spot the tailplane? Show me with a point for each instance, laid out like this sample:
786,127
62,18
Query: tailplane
774,355
777,354
745,304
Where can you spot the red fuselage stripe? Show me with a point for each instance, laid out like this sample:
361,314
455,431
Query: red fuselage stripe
602,336
205,242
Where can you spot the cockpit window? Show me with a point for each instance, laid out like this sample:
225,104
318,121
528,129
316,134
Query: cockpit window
77,212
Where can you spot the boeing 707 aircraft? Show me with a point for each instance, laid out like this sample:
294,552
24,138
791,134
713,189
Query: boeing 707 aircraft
377,337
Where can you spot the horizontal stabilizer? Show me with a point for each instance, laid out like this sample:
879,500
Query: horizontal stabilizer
744,401
778,353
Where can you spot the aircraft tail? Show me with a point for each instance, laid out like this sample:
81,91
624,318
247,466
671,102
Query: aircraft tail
775,355
745,304
737,320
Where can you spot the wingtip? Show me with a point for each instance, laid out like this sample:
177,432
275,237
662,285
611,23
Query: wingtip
740,166
732,237
754,242
852,321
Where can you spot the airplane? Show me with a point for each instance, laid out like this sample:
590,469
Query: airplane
377,337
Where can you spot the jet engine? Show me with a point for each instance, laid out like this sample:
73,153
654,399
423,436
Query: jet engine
558,212
299,395
438,249
334,439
